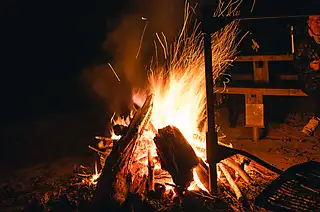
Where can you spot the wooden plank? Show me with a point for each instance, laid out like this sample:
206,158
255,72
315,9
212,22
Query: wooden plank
264,58
254,110
252,98
261,72
261,91
280,76
250,77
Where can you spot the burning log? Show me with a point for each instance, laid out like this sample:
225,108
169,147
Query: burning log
103,143
113,181
203,173
138,184
230,180
173,149
238,169
120,129
150,173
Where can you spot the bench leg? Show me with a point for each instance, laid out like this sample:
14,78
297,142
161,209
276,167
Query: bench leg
233,111
255,134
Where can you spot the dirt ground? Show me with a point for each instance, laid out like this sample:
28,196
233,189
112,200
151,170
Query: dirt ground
48,149
283,145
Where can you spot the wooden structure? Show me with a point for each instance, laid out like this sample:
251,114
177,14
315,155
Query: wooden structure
209,25
254,108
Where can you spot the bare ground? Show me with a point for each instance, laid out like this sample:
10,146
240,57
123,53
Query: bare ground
46,150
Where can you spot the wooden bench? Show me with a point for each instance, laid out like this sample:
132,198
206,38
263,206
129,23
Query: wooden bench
261,65
247,77
254,110
254,106
261,91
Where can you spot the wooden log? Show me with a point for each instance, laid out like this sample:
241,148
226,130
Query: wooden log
203,174
236,167
150,184
232,183
176,155
202,171
113,181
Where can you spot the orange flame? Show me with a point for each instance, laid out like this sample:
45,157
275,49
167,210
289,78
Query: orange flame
95,176
179,90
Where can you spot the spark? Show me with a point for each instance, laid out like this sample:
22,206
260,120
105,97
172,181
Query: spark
165,41
253,4
141,39
178,85
164,48
179,91
96,175
156,50
114,71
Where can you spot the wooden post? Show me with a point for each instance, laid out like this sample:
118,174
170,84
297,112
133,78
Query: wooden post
211,135
261,72
255,114
255,134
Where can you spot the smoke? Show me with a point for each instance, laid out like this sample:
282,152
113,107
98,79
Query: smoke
158,17
123,43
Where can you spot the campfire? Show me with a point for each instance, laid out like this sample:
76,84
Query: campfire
161,146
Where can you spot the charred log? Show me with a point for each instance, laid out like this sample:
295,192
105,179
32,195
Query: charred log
120,129
112,188
176,155
203,174
150,184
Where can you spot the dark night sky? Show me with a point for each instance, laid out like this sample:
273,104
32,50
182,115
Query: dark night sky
46,44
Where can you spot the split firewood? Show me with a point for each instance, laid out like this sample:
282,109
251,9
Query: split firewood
161,176
150,183
176,155
120,186
203,174
230,180
202,171
139,184
114,177
232,164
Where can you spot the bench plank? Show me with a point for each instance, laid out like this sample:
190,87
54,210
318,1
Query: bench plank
289,77
264,58
262,91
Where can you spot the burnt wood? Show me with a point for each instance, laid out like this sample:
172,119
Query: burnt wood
176,155
112,188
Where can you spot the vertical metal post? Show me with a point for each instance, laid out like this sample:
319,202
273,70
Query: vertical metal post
211,139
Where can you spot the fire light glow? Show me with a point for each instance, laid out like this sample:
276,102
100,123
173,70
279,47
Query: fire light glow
179,89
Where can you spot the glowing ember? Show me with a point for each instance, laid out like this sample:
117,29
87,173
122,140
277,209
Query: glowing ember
96,175
197,182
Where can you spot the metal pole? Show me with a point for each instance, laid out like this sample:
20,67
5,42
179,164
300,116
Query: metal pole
211,137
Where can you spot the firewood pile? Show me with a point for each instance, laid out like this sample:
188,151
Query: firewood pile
122,184
162,180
